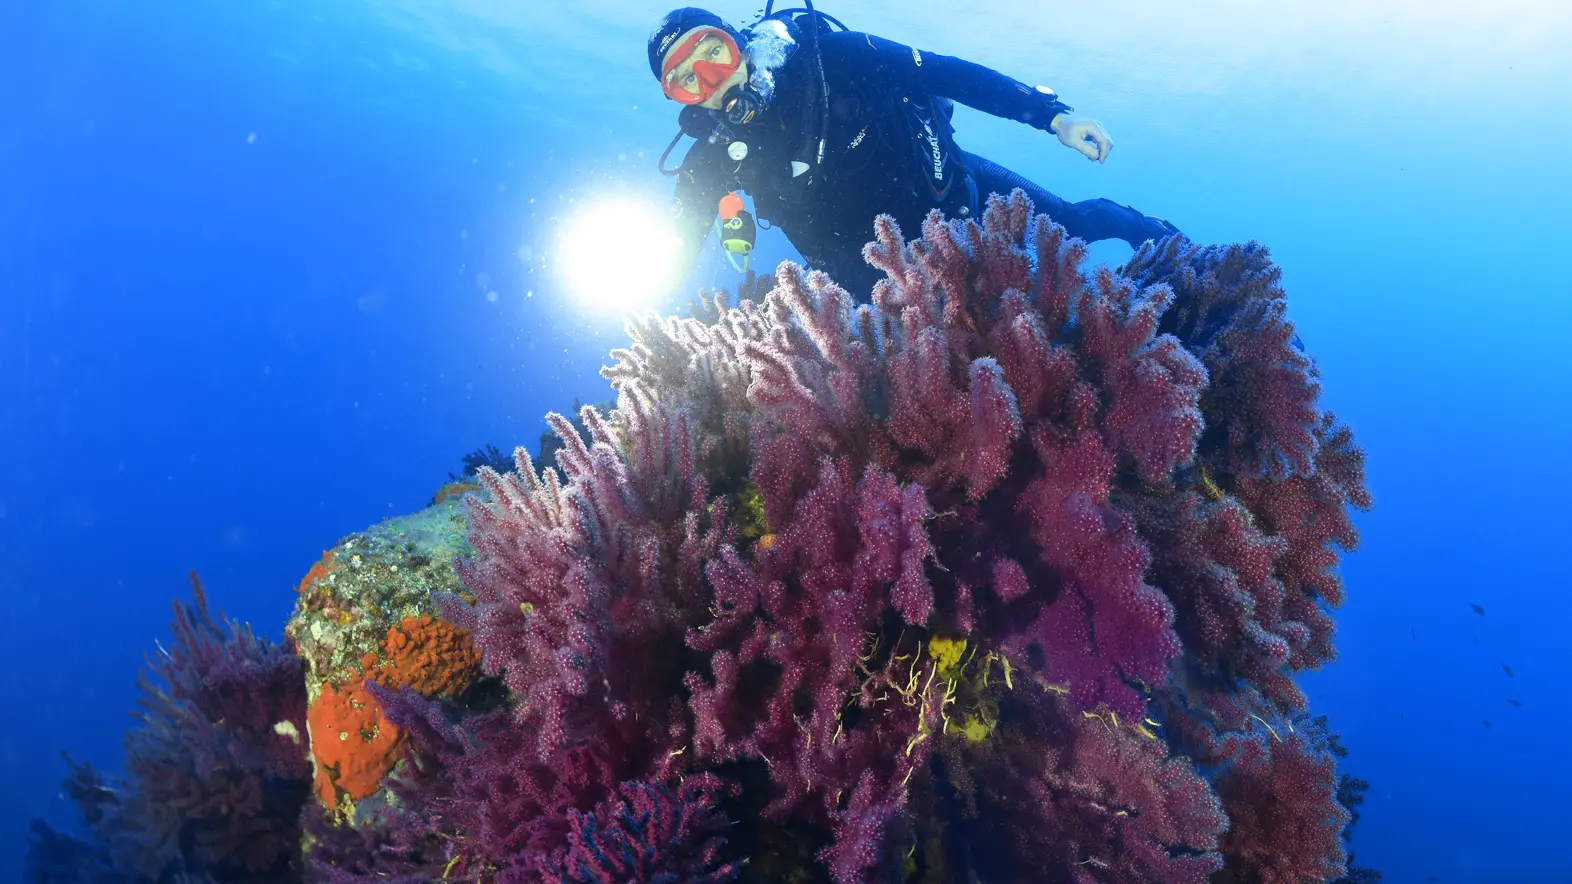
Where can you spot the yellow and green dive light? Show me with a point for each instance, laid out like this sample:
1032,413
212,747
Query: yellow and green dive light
737,230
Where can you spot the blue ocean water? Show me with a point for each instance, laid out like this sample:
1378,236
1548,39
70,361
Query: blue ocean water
267,269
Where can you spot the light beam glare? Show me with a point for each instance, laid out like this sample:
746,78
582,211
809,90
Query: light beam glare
617,255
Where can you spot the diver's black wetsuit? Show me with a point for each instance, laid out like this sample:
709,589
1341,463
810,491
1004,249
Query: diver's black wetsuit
889,149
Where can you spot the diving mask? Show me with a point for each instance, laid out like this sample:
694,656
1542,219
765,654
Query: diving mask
700,65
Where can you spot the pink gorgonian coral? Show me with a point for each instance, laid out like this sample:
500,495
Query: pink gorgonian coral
990,579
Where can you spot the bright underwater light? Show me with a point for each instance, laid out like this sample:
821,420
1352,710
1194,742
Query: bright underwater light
617,255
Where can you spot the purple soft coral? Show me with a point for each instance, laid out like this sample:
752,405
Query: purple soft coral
647,834
216,775
896,573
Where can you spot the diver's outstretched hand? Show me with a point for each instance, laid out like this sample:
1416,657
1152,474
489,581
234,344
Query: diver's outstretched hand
1087,136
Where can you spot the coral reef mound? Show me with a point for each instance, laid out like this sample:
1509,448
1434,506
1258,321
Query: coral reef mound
1005,576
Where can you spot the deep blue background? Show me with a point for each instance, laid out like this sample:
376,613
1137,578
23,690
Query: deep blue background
224,352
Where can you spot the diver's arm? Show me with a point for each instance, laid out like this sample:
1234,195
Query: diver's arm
986,90
700,185
969,83
691,224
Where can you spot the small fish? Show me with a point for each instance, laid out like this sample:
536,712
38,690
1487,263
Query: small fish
1487,722
1414,633
1476,639
1478,610
1508,670
1514,702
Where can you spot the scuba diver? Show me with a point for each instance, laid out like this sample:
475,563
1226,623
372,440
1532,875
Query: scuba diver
826,128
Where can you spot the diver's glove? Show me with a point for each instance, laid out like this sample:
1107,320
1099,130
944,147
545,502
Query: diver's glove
1087,136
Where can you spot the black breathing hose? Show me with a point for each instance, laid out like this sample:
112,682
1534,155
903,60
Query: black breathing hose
824,82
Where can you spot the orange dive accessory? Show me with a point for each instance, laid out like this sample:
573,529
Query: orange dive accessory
696,82
737,230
